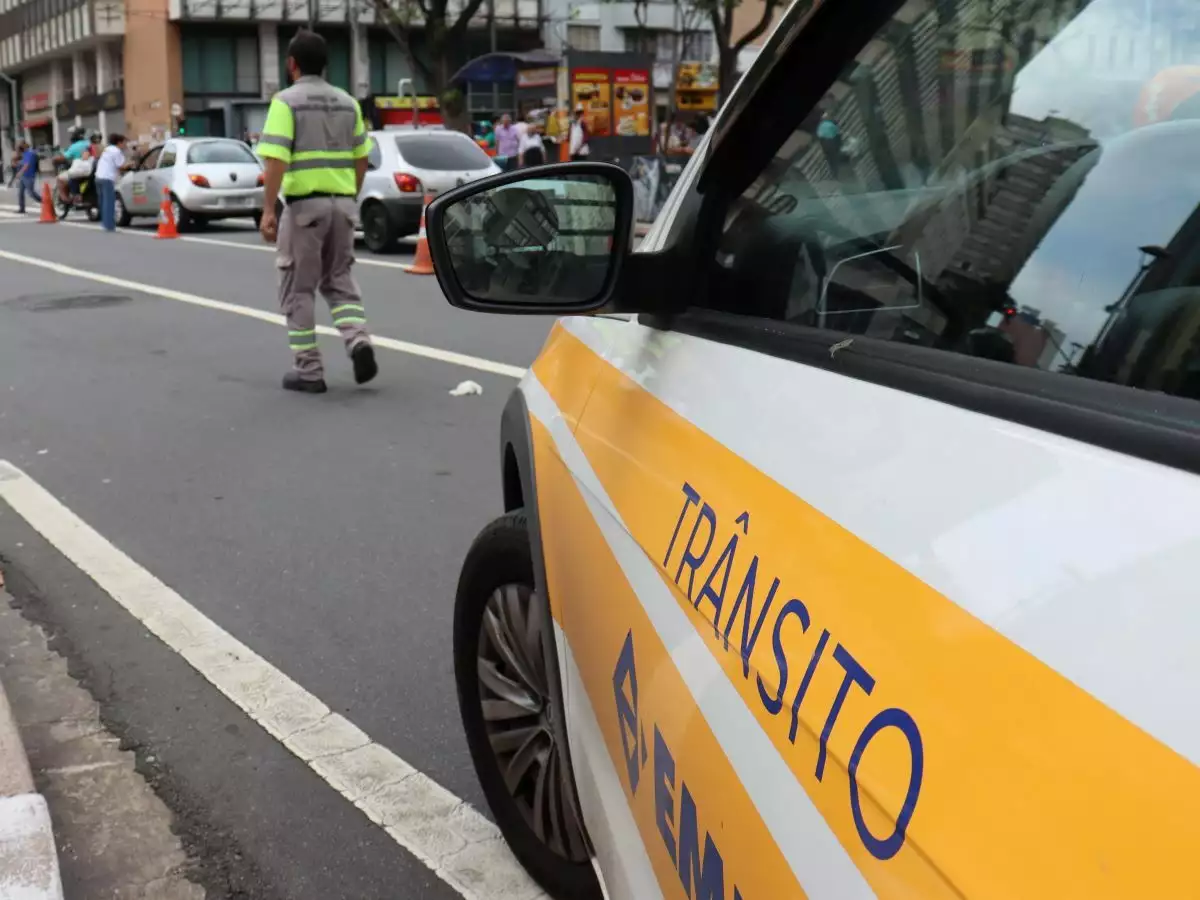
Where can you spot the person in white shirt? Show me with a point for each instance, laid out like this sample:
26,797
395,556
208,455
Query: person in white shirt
532,151
108,170
578,137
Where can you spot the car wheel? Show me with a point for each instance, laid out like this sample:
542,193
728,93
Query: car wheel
377,230
183,219
122,214
500,667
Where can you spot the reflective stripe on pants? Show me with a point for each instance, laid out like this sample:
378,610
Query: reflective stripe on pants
315,251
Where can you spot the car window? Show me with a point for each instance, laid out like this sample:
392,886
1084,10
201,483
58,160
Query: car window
445,152
150,160
220,152
168,157
1009,180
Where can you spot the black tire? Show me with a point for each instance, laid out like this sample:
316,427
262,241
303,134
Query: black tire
93,214
62,208
500,557
377,228
122,214
183,219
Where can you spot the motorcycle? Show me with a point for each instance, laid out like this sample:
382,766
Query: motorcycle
85,200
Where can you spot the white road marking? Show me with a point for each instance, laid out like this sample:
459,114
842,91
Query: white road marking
446,356
461,847
216,242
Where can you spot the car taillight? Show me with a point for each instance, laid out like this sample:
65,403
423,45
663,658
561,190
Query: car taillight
199,180
407,183
262,179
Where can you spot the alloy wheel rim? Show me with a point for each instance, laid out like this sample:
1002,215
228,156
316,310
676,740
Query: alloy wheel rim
515,699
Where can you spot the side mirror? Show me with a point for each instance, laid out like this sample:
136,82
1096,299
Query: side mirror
550,239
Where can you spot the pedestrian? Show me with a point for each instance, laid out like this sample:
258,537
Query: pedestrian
508,141
108,170
16,165
314,147
29,166
532,152
579,137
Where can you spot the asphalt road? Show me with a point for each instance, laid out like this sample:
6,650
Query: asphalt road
324,532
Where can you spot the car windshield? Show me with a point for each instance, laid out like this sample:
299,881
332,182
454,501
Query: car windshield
444,152
220,152
1018,175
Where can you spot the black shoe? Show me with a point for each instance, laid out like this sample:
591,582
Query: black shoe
365,367
293,382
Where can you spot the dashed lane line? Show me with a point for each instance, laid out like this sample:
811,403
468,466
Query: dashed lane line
215,242
237,245
421,350
447,834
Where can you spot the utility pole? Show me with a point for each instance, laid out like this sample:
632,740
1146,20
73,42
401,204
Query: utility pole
491,14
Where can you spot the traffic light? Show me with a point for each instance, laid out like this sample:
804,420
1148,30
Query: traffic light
181,126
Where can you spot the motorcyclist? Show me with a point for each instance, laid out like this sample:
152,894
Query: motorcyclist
80,145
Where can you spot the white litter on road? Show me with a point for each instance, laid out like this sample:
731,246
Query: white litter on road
458,844
466,388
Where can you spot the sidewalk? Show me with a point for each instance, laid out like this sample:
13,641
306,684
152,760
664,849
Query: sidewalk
28,862
113,833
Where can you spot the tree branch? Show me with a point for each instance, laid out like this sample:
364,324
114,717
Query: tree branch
763,24
459,28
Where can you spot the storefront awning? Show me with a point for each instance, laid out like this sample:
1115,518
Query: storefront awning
497,68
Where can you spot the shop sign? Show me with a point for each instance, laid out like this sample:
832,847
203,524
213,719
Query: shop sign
532,78
698,76
90,105
589,89
36,101
696,101
631,102
406,102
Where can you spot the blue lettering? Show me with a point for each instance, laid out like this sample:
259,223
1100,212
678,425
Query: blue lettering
708,875
791,608
749,637
855,674
899,719
664,800
691,495
627,709
718,599
805,681
689,559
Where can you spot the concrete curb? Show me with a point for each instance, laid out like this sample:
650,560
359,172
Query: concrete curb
28,859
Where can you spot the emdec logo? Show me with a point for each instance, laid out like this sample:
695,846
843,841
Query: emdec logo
633,735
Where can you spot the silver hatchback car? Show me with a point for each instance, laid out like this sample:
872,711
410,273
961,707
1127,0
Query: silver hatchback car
405,165
206,179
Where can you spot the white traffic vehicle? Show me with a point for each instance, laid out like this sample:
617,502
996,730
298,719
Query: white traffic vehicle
206,179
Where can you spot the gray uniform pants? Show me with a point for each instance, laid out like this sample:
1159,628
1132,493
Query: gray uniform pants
314,251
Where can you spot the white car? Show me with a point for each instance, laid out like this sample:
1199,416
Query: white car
406,165
205,179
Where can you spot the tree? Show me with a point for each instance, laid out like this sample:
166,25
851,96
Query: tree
443,31
721,14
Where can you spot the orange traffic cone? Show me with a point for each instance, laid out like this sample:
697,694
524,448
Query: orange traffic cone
422,263
48,214
166,218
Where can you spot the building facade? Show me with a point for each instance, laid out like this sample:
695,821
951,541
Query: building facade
149,67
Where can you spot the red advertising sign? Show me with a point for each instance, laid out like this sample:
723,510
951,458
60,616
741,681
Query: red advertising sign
37,101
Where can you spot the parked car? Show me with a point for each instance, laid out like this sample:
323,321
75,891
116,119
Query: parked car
849,543
406,165
207,179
